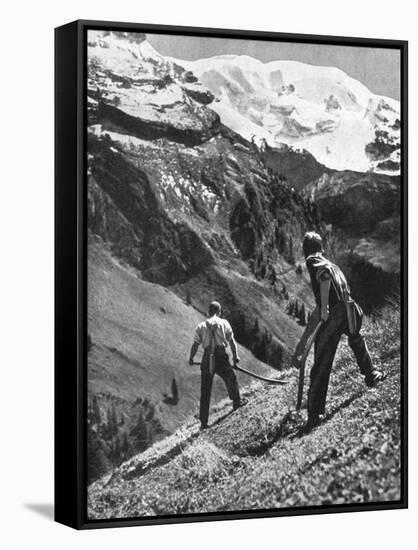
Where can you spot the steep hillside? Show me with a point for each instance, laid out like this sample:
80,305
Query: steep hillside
140,336
320,109
257,458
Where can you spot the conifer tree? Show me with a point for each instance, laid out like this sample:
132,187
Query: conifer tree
140,432
174,391
302,315
291,253
256,327
113,420
188,297
273,276
125,444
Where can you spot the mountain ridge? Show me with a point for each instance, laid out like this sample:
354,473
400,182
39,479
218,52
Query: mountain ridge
317,108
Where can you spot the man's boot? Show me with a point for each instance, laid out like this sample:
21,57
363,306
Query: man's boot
312,422
236,403
373,378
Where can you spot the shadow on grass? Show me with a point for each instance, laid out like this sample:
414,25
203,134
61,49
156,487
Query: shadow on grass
343,405
221,418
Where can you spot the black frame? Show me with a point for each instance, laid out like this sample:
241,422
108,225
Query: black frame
71,271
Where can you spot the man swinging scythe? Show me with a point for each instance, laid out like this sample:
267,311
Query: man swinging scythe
336,314
215,334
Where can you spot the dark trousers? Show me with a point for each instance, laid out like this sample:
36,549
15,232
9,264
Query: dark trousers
325,347
222,369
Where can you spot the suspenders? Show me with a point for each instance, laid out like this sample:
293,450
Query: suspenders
212,344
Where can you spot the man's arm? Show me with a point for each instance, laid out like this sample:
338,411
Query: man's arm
193,352
313,320
196,343
324,285
234,349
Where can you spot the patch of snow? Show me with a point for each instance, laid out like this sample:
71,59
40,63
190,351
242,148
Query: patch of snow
95,129
148,52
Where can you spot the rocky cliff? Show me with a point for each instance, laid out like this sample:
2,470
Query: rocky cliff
362,211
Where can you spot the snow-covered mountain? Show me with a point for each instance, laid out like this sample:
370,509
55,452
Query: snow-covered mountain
129,74
320,109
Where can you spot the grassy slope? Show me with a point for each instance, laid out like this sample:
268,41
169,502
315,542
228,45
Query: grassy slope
141,335
256,459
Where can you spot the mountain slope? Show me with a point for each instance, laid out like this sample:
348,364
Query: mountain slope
180,197
140,337
257,459
143,328
319,109
181,211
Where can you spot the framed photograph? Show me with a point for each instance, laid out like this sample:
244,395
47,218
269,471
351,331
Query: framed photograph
231,274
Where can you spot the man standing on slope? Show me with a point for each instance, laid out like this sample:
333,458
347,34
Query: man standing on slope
214,335
340,315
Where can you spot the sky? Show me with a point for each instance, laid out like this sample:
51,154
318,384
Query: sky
376,68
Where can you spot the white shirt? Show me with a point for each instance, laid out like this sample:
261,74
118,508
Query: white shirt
222,332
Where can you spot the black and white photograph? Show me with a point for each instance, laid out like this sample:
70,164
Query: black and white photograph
208,241
244,275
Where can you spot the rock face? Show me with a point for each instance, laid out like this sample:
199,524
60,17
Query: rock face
181,203
320,109
353,201
363,213
139,91
332,103
298,167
